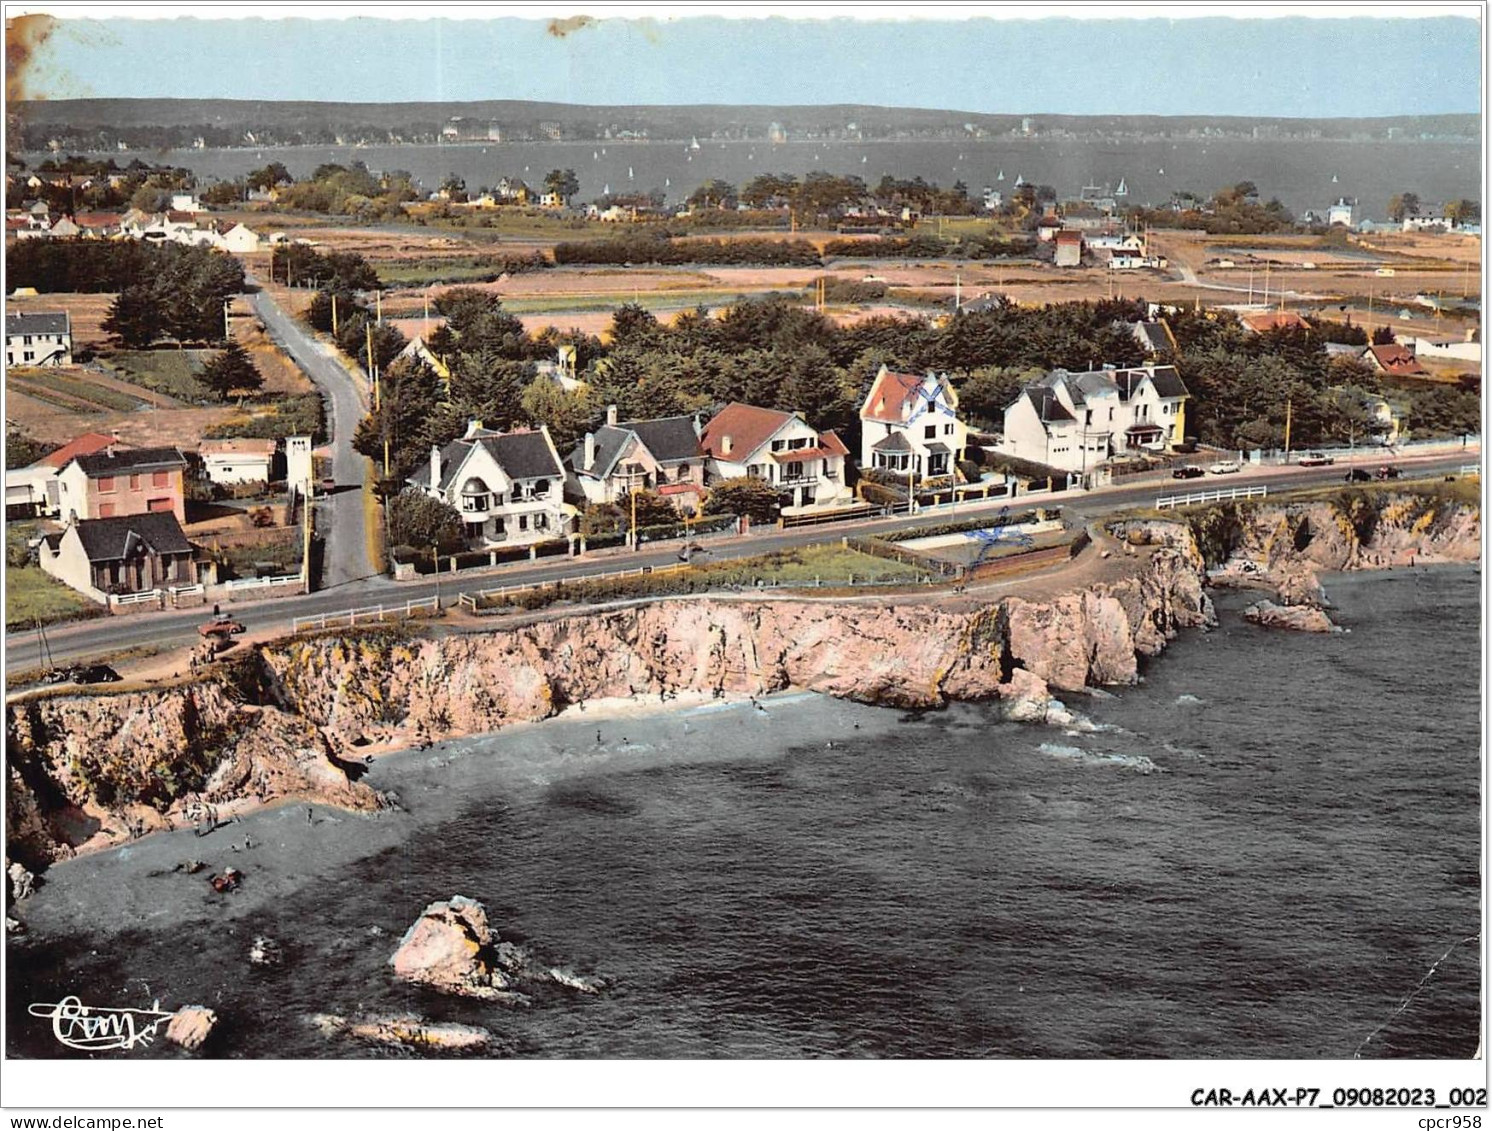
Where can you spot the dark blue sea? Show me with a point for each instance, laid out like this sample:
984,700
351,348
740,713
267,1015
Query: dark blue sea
1261,851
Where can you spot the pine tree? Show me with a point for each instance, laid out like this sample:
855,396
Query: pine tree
231,371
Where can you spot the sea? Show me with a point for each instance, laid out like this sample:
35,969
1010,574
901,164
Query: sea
1268,848
1304,174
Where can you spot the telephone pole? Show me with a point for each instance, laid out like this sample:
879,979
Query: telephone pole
1289,405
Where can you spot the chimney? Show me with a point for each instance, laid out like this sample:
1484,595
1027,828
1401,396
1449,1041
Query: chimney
725,444
590,451
434,467
698,425
472,428
611,416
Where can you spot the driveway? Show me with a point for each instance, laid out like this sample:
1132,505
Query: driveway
342,515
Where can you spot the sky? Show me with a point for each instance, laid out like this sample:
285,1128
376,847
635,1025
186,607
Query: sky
1280,67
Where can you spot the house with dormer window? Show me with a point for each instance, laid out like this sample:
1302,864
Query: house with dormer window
1076,421
909,424
662,455
779,448
507,486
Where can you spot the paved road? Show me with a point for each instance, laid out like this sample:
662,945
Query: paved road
71,643
342,517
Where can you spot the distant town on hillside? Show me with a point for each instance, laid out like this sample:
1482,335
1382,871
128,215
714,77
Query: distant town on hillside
125,123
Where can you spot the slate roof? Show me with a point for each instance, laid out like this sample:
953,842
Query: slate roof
126,460
110,539
896,442
1048,408
39,323
669,438
1168,382
521,455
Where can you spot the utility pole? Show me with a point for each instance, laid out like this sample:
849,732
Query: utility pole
632,495
379,300
305,558
334,314
227,333
1251,284
1289,405
372,369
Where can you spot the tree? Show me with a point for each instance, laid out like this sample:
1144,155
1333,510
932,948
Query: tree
562,181
232,371
421,521
453,188
1464,212
1384,336
135,318
567,414
713,194
1405,204
652,508
268,177
750,497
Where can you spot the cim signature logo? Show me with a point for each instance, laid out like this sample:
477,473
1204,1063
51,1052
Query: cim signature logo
93,1029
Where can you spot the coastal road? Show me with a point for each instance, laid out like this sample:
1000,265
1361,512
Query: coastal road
74,642
342,516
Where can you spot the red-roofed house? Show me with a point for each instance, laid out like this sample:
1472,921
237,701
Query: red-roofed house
1396,360
1264,321
33,490
777,447
910,424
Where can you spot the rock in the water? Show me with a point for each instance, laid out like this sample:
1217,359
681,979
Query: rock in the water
575,981
21,882
191,1026
404,1030
265,952
1025,697
1301,618
450,948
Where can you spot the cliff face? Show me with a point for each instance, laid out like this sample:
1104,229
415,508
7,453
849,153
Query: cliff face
84,769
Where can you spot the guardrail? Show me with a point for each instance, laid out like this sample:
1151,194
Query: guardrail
1469,469
1166,501
375,613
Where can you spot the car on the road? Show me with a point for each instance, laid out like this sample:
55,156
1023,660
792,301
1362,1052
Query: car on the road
95,673
1315,459
1188,473
221,627
1389,471
1226,467
1358,475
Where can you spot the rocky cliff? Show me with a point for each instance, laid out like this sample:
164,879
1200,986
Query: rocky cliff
87,770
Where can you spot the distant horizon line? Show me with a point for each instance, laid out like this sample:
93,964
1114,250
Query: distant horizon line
749,105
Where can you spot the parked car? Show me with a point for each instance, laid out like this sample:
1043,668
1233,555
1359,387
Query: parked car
1358,475
1388,472
95,673
221,627
1315,459
1187,473
1227,467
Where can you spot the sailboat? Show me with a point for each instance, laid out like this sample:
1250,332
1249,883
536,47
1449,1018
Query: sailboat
1123,189
605,190
595,156
694,143
1000,176
1333,178
666,182
629,172
1160,172
1019,180
864,159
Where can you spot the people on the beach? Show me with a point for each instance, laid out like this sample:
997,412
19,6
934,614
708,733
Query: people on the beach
310,815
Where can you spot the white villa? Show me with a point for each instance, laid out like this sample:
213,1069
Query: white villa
1076,421
508,486
910,425
779,448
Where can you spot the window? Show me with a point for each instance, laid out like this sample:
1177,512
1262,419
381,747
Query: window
1088,417
26,341
28,355
523,522
1111,415
795,470
948,430
930,432
160,478
800,442
106,510
135,479
541,521
778,445
106,483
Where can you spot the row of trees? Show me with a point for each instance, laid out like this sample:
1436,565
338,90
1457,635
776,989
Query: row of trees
1406,204
775,353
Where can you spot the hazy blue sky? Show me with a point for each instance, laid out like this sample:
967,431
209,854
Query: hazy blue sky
1260,67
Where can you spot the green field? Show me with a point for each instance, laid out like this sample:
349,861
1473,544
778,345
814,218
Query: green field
648,300
173,372
73,390
30,594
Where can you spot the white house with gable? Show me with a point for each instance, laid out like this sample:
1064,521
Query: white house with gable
1076,421
508,486
910,424
779,448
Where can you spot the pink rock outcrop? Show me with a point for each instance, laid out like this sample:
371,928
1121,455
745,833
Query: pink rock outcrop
447,948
